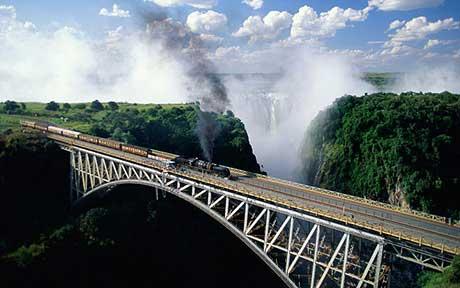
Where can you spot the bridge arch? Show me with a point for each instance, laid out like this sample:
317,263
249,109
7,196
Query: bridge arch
291,243
202,207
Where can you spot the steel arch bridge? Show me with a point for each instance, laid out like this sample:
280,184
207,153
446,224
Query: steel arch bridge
303,250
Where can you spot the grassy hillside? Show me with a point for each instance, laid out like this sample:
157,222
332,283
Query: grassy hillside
401,149
79,116
169,127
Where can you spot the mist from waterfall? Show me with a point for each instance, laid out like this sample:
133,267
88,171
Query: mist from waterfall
277,108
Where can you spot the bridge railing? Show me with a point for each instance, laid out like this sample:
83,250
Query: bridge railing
234,186
356,199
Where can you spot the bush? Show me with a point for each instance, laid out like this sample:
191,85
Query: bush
11,107
96,106
80,106
24,256
450,278
113,105
52,106
66,106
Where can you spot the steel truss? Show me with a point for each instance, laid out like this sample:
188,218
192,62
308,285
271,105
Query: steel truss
430,259
303,250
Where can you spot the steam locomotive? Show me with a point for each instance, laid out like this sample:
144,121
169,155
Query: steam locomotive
176,163
204,166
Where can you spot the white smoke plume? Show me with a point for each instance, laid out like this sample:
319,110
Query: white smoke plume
204,85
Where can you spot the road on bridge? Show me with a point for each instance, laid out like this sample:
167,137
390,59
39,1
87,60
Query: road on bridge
417,228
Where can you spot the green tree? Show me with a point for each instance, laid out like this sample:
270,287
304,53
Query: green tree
25,255
401,149
66,106
113,105
80,106
450,278
11,107
52,106
96,106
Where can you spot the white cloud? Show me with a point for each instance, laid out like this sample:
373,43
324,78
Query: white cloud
114,36
456,54
418,28
435,42
7,12
306,23
254,4
67,66
375,42
398,50
269,27
391,5
228,52
431,43
116,12
205,22
8,23
200,4
396,24
211,38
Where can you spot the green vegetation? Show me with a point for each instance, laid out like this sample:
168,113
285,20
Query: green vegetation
450,278
401,149
96,105
112,105
381,80
11,107
170,127
52,106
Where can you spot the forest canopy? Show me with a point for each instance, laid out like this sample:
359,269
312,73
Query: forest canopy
402,149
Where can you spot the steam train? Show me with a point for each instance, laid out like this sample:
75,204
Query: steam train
175,163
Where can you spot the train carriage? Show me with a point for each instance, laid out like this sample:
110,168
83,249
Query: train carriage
134,150
88,138
55,130
110,143
27,123
70,133
41,126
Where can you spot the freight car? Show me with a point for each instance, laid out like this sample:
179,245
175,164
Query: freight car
202,166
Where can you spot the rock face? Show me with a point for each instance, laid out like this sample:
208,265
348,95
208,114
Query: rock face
401,149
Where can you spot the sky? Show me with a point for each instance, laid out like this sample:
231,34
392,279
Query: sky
243,36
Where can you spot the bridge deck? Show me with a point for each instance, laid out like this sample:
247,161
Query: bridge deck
417,228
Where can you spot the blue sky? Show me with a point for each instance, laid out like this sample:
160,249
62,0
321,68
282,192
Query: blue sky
361,33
